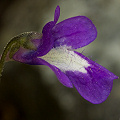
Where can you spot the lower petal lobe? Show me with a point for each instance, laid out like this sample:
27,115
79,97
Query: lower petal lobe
95,85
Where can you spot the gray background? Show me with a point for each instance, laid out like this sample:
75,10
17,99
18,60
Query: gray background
33,92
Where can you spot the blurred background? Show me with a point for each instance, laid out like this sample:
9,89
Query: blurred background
33,92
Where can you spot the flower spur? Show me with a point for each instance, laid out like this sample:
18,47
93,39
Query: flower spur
54,48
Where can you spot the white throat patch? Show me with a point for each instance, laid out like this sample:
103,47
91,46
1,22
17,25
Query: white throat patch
65,60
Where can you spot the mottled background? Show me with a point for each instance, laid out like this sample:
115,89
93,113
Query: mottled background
33,92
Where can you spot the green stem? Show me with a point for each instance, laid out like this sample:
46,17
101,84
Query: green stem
5,52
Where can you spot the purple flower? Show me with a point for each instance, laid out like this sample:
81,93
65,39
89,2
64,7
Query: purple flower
55,48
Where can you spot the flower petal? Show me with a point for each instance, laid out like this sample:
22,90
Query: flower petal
92,81
47,34
60,75
74,32
47,41
57,14
95,85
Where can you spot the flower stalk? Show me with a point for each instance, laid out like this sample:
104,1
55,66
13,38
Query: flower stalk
4,54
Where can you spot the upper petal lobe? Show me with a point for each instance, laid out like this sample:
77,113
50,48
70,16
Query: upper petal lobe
74,32
57,14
